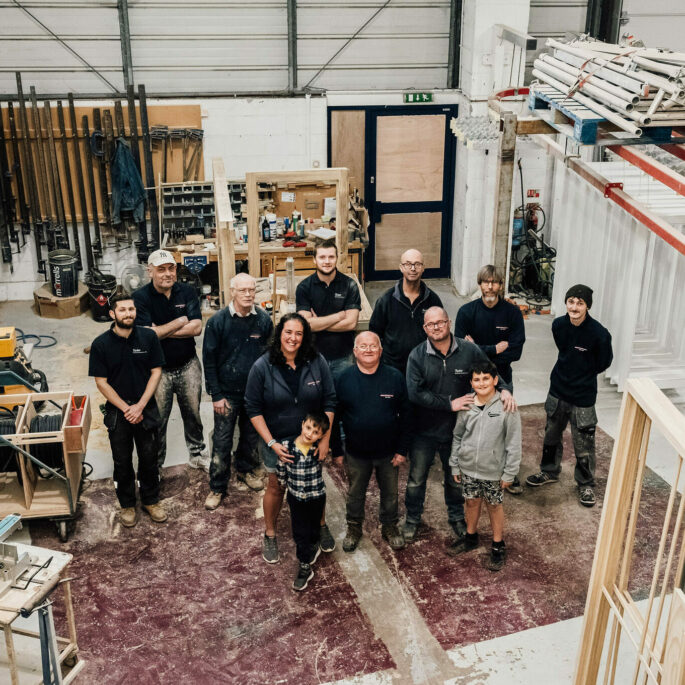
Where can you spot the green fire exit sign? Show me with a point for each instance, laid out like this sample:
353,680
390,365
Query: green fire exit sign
414,98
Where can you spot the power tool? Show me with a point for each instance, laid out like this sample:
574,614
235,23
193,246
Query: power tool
17,375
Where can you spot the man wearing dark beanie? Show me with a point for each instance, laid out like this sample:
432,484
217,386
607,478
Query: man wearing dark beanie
584,352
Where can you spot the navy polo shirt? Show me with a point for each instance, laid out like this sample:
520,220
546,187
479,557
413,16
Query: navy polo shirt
156,308
342,294
126,362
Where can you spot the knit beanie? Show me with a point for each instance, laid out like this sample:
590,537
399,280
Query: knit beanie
582,292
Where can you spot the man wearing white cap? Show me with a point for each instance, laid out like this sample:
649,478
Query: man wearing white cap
172,310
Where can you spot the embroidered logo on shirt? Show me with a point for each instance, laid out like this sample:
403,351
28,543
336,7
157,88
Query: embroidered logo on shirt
313,382
137,350
502,328
580,349
460,371
180,306
255,335
387,397
339,294
495,414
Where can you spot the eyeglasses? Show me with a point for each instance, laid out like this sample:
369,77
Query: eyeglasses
436,324
246,291
367,348
413,266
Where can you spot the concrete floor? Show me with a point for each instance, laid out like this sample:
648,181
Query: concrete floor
522,657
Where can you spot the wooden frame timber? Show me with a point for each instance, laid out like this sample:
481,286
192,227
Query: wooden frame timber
225,249
644,406
337,176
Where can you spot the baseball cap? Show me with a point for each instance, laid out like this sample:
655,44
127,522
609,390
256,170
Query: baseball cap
159,257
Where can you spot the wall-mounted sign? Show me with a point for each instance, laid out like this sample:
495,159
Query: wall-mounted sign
415,98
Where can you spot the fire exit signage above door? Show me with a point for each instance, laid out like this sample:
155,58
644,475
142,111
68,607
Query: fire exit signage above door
416,98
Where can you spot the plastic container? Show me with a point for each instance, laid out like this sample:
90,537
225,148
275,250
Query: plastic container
101,288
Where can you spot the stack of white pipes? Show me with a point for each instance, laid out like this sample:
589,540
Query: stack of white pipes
631,87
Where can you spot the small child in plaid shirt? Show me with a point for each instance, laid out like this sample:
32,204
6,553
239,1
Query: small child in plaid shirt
303,479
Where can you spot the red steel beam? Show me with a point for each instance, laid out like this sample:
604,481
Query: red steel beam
651,166
636,209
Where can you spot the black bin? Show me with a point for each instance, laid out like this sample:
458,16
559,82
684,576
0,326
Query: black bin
101,288
63,267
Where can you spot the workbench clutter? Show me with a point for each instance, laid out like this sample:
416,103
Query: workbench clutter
28,577
42,452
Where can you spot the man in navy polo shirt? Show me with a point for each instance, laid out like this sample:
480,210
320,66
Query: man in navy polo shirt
126,362
331,303
496,326
172,310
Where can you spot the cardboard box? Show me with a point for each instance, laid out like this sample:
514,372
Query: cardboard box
52,307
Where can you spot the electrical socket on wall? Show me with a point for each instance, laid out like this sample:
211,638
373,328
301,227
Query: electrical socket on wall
315,163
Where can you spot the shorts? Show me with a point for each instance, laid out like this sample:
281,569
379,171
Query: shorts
475,488
268,456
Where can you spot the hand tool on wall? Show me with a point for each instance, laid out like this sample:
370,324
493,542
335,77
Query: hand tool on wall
19,178
98,148
32,184
78,162
133,125
149,173
41,174
70,187
60,229
96,247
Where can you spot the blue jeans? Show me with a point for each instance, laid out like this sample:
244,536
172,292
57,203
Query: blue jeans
421,458
337,366
246,457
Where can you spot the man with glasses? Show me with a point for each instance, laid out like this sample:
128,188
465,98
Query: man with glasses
438,384
496,326
234,338
374,409
397,317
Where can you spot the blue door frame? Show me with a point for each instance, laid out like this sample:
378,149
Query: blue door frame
377,209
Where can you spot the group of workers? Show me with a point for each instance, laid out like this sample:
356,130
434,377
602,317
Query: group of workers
408,389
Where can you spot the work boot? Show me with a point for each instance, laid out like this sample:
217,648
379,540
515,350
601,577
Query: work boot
213,500
392,535
128,516
156,511
515,488
467,543
352,537
260,471
458,528
326,541
409,531
498,556
541,478
251,480
200,461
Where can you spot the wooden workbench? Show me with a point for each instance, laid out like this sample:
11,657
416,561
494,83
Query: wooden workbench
35,592
273,256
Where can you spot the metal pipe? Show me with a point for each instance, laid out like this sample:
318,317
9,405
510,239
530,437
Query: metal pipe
292,44
125,40
588,88
608,114
656,102
628,81
621,93
668,69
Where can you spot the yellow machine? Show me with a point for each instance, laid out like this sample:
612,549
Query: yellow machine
17,376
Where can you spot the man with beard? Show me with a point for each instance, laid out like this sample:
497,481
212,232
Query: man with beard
439,385
172,310
397,317
126,362
496,326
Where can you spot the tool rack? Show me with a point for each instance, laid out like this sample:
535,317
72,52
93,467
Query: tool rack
55,498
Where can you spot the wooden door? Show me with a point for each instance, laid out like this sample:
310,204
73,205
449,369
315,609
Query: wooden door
402,161
410,189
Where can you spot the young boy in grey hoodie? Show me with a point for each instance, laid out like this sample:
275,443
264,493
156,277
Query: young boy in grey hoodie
486,454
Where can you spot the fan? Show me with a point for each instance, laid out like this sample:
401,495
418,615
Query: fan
134,276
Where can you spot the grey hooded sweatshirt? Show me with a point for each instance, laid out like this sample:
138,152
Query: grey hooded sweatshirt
487,442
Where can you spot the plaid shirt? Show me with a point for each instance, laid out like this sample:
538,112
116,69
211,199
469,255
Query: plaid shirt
303,477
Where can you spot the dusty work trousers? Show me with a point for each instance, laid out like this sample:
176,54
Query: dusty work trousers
122,435
186,383
358,475
305,517
246,455
583,423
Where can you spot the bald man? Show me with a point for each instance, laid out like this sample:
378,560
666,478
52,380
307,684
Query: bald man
439,385
374,409
398,314
234,338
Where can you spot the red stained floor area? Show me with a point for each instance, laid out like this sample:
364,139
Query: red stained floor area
550,542
192,601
